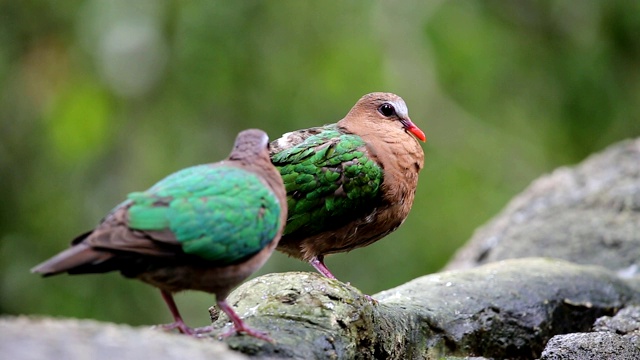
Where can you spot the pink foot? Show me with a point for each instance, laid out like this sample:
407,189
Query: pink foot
239,325
248,331
318,263
178,323
180,326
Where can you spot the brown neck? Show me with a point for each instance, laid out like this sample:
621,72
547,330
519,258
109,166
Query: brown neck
399,153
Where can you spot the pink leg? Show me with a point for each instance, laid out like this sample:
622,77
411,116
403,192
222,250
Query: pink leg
178,323
239,325
318,263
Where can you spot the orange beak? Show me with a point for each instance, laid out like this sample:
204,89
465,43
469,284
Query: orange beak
412,128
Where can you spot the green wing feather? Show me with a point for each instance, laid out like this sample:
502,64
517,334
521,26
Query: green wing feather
222,214
329,181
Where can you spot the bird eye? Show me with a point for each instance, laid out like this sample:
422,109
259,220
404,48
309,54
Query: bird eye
387,110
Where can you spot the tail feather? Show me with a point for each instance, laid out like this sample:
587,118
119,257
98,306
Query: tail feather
77,256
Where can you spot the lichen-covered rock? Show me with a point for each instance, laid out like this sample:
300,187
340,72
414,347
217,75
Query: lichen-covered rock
588,214
309,316
505,309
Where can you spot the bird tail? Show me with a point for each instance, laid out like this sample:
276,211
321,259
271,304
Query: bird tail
77,259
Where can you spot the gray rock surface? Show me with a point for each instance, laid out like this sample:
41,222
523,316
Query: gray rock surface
525,307
590,346
614,337
507,309
626,321
27,338
588,214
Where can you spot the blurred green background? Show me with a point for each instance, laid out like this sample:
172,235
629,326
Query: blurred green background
100,98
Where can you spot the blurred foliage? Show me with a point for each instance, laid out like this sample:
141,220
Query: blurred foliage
100,98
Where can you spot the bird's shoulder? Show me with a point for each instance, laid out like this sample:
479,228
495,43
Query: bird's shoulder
324,142
327,174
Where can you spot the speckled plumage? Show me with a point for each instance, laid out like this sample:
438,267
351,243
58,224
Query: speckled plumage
350,183
207,228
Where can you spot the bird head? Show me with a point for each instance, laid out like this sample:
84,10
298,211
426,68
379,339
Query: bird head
383,110
250,144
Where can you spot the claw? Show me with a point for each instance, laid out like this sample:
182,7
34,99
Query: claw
248,331
371,300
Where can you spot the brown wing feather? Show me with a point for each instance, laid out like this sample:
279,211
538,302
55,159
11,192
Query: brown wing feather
78,255
99,250
114,234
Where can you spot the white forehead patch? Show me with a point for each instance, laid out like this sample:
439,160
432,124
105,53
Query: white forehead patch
401,108
264,140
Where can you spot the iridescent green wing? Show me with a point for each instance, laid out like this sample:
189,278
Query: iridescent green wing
329,179
222,214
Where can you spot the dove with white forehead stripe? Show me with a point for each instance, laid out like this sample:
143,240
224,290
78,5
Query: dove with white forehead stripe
350,183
